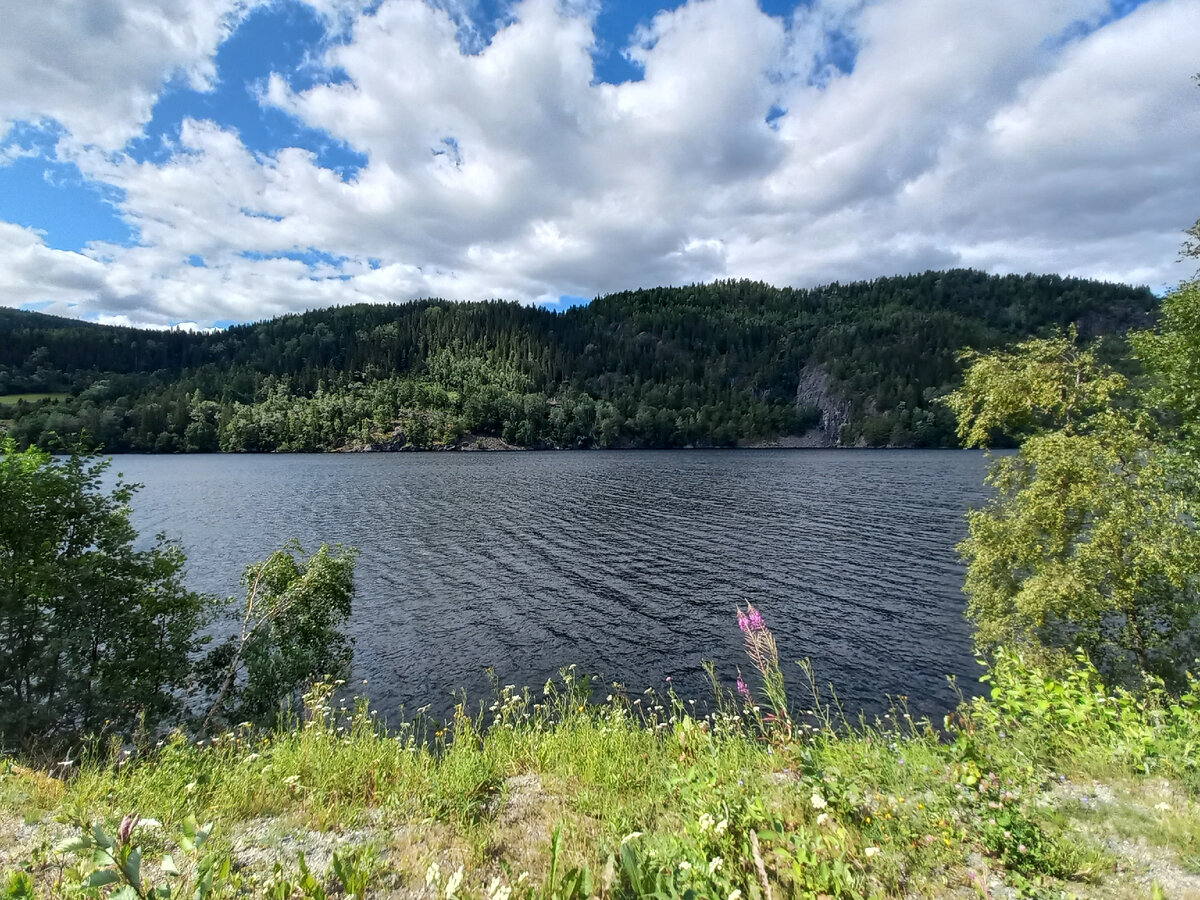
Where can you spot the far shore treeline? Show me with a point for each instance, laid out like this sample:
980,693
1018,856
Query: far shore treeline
724,364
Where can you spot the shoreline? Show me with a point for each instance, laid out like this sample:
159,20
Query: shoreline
555,450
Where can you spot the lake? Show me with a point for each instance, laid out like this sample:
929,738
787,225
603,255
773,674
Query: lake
628,564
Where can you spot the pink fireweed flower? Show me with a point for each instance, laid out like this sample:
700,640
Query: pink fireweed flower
742,688
125,830
751,620
761,648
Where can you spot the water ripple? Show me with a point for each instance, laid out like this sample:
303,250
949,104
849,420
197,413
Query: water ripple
627,564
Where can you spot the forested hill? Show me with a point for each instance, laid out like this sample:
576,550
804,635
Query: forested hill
708,365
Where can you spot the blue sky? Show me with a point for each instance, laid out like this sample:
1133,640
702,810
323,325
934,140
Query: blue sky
208,161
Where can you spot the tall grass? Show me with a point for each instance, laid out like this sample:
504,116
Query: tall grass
645,796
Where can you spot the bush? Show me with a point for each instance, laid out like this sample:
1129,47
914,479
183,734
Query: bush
290,632
1090,537
93,633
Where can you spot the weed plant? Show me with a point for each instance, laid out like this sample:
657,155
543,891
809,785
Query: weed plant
547,794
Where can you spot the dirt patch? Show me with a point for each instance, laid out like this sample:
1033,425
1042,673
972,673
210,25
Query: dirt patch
525,816
20,839
261,843
1096,810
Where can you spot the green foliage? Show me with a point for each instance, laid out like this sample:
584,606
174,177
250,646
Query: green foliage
1172,354
641,800
1191,244
574,883
1075,713
703,365
95,864
1036,386
350,876
115,862
94,634
19,886
1087,541
291,632
1090,538
17,399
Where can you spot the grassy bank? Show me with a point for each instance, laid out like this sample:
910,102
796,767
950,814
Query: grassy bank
14,399
1046,788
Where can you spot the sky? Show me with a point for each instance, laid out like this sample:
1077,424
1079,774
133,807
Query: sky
204,162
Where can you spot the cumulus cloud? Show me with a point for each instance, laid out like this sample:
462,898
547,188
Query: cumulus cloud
1003,135
96,66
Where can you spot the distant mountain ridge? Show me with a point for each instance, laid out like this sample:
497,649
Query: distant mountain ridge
721,364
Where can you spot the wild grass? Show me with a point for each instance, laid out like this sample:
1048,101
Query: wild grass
548,794
14,399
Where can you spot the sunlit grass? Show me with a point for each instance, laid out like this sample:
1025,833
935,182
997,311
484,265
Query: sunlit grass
14,399
649,788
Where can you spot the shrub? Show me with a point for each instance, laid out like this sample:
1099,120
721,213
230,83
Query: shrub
93,633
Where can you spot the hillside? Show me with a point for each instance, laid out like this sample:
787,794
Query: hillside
705,365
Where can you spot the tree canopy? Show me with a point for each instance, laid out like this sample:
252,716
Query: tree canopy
1091,537
702,365
94,633
99,637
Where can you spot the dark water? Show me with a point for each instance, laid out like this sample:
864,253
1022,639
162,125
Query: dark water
628,564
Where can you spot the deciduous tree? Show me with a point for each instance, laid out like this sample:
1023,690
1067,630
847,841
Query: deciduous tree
1091,536
290,633
94,634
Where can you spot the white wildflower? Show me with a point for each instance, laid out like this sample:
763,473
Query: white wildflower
823,819
497,890
720,827
714,864
735,895
868,852
684,865
432,874
454,881
706,822
818,802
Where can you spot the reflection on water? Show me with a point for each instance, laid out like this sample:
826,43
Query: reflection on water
628,564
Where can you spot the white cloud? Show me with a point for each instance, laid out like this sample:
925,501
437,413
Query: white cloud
96,66
965,135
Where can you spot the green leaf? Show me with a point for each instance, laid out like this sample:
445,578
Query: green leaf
203,887
103,877
133,868
74,844
168,865
584,883
19,886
